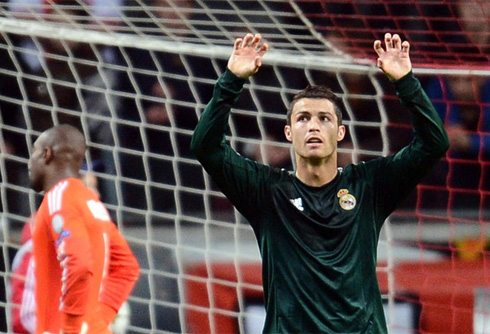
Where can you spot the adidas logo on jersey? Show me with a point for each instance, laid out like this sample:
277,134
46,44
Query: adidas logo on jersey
298,203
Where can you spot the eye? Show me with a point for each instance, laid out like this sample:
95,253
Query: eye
325,118
303,118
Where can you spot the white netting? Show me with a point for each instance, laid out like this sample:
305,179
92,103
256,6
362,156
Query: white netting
136,75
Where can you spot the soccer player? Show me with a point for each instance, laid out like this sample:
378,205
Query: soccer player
84,269
318,226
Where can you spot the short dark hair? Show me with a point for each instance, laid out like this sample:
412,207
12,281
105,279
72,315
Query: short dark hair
316,92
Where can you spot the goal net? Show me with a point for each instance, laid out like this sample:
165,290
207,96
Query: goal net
136,75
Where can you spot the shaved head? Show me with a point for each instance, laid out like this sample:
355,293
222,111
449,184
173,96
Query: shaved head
67,143
58,153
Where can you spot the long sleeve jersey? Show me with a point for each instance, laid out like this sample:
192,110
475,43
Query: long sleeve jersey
84,269
319,244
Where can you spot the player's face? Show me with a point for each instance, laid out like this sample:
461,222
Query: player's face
314,130
36,166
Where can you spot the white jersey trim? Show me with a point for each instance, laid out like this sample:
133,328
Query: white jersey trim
55,197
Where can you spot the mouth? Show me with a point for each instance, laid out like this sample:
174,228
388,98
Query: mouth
314,141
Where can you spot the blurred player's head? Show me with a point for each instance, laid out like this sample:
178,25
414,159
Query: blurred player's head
473,18
314,124
172,14
58,153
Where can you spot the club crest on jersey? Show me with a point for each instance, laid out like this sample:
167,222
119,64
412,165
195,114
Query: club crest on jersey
347,201
57,223
298,203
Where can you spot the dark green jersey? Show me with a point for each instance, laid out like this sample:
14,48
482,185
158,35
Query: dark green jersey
318,244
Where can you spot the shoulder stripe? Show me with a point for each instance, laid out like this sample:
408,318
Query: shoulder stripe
55,197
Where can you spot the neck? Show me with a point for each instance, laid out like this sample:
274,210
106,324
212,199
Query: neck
316,175
61,175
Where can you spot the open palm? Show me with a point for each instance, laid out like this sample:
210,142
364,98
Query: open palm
246,58
394,60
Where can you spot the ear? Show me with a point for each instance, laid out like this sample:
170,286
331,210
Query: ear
287,133
341,133
48,155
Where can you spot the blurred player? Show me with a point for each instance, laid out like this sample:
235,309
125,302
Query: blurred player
22,285
23,282
318,226
84,269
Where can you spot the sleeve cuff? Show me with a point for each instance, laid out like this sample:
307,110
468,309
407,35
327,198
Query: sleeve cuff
231,82
107,313
407,85
72,323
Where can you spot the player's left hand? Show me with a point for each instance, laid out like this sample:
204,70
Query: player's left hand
394,59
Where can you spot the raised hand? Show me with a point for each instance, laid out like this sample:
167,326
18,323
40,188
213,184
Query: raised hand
394,60
247,56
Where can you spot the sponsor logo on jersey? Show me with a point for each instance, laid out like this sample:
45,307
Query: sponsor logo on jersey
347,201
298,203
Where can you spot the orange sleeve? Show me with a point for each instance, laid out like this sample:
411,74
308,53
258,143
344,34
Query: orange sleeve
122,273
74,255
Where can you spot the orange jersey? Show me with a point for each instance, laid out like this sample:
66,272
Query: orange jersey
84,269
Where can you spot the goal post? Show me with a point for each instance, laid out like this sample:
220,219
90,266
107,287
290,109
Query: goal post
135,76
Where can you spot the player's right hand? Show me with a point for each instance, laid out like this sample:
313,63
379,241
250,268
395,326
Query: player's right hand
246,58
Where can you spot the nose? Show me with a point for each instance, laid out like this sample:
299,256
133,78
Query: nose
313,125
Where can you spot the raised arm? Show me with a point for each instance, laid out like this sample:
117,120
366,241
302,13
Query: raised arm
244,61
430,135
398,174
238,177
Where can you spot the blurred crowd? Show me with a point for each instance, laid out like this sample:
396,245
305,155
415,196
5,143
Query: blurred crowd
139,100
137,108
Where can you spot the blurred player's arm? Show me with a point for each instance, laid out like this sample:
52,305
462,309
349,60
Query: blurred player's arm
73,253
121,275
